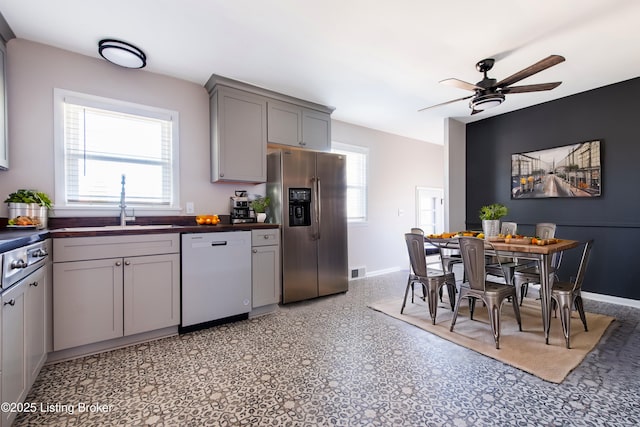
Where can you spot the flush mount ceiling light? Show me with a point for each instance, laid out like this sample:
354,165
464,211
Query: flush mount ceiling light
122,54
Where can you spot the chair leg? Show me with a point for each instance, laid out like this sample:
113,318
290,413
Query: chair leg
516,310
432,302
564,302
455,310
494,317
580,309
406,293
451,289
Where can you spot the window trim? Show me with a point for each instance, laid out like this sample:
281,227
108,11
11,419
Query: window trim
344,148
61,208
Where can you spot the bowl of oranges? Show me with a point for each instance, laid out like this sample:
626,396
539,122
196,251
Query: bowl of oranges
207,219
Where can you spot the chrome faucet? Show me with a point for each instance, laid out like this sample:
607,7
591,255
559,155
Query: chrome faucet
123,207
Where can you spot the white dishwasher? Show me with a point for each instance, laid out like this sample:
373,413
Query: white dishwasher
216,277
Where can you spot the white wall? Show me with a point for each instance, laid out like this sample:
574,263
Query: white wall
34,70
397,165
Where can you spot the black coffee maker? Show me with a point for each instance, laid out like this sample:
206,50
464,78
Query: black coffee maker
240,210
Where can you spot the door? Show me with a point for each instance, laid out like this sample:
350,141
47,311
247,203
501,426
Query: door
332,223
299,247
87,302
316,130
36,312
430,210
151,293
14,330
239,133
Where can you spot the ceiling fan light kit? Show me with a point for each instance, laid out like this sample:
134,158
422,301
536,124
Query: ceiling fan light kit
121,53
484,102
490,93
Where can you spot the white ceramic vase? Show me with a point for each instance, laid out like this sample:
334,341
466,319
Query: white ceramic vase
261,216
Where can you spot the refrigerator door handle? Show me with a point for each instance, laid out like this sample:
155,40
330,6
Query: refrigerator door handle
319,203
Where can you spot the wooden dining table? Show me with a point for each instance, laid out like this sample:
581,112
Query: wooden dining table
540,254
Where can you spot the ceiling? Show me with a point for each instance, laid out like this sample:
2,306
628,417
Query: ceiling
376,62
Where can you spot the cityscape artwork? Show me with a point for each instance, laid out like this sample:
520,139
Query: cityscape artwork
567,171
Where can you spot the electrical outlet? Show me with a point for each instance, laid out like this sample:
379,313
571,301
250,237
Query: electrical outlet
190,208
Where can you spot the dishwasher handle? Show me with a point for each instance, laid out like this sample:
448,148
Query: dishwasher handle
219,243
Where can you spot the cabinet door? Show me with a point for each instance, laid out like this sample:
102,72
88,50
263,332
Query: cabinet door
239,136
316,130
87,302
284,123
265,270
14,371
151,293
36,312
4,143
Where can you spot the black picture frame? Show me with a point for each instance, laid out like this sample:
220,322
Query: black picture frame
568,171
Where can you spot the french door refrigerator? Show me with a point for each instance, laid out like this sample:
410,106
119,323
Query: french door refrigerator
308,200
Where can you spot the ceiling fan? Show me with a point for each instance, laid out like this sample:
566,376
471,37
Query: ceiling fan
490,93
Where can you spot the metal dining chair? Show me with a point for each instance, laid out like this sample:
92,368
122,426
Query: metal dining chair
567,295
432,281
530,273
506,266
491,293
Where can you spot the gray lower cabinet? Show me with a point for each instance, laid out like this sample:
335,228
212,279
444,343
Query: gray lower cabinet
290,124
265,267
238,136
106,296
23,338
14,356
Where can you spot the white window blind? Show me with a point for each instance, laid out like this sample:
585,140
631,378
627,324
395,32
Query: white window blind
357,165
103,141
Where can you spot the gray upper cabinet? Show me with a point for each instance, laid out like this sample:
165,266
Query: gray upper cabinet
238,136
290,124
4,143
244,118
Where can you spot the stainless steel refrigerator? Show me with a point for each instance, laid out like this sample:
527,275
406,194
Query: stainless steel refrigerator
308,200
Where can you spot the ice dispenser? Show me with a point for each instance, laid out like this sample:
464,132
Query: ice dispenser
299,207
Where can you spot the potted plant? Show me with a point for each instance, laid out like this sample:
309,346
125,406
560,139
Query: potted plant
28,208
490,216
259,206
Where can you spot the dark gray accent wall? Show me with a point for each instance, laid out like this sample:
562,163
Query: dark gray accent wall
610,114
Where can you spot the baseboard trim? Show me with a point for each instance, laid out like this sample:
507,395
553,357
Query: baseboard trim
611,299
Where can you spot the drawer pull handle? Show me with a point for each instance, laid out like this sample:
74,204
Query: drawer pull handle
34,284
11,302
223,243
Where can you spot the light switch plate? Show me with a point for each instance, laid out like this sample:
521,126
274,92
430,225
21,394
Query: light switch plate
190,208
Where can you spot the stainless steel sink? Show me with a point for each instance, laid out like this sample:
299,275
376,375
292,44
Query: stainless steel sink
117,227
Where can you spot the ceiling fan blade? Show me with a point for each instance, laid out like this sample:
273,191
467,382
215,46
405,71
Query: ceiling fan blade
460,84
445,103
476,112
530,88
543,64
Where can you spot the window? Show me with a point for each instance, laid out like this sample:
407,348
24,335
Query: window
99,140
430,210
357,165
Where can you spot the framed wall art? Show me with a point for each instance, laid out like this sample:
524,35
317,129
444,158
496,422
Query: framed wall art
568,171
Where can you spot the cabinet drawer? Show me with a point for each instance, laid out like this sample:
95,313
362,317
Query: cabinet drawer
265,237
86,248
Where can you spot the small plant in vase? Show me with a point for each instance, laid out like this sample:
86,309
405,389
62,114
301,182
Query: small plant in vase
490,216
260,205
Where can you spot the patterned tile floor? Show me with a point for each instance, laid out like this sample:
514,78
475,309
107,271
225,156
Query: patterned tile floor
334,362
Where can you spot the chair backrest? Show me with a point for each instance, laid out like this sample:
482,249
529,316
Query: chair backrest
416,230
509,228
545,230
473,260
582,268
415,246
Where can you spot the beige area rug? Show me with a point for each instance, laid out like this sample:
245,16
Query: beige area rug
525,350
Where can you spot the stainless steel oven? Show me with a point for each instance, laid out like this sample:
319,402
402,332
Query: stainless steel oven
20,263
